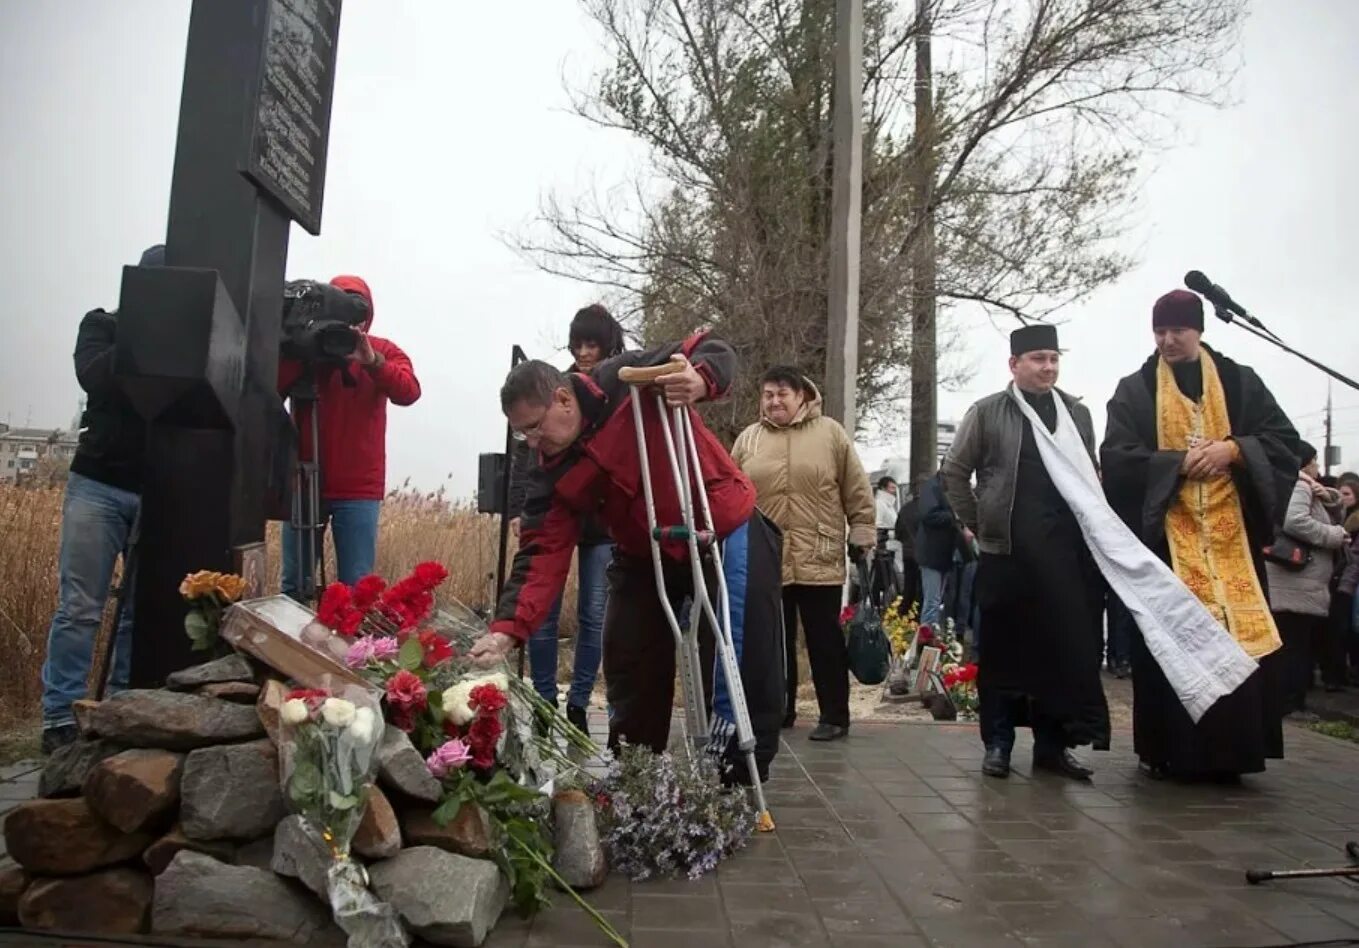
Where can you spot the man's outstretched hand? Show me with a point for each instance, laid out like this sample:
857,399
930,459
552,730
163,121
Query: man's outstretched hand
491,649
685,387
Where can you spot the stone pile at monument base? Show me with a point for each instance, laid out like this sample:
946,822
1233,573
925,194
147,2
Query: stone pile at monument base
167,817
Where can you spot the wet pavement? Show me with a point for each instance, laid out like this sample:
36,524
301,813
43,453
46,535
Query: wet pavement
894,838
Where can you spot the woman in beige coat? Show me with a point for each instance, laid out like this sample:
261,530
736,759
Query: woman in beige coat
809,481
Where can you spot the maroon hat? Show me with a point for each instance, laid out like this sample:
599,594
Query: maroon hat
1178,309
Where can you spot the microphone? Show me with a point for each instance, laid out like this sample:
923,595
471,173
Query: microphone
1220,298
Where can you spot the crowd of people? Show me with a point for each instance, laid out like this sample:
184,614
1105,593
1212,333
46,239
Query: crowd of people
1195,548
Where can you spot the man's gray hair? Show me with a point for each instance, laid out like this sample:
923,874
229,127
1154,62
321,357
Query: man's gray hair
533,382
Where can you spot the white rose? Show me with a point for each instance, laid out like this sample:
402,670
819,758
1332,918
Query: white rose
455,702
338,712
499,679
363,726
294,711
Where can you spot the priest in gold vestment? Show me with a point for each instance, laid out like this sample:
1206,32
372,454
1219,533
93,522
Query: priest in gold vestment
1199,460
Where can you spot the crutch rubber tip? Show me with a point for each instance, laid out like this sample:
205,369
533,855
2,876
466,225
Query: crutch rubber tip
1256,876
765,822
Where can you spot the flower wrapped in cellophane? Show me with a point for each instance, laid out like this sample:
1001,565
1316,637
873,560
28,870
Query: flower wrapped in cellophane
328,755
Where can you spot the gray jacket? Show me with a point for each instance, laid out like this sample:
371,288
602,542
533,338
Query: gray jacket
1308,520
987,443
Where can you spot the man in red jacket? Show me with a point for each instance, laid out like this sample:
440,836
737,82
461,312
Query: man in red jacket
352,399
582,427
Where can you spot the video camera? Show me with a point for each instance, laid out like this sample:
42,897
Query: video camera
321,322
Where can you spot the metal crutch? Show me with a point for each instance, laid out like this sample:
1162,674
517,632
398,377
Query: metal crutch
682,453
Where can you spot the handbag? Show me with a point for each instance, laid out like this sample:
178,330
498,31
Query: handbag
1288,553
870,654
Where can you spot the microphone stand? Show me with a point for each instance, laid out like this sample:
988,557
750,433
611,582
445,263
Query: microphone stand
1256,328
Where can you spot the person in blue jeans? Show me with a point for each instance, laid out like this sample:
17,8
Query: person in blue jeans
594,336
352,399
936,541
99,517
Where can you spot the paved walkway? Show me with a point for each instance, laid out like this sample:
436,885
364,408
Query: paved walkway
893,838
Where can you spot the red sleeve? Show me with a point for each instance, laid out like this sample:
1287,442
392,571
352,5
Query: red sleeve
539,572
396,376
289,371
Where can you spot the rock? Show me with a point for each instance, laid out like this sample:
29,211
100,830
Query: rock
258,853
13,882
401,768
160,853
232,791
83,709
64,837
379,833
69,766
299,854
470,833
238,692
135,790
173,721
446,899
267,706
233,667
579,854
115,901
197,895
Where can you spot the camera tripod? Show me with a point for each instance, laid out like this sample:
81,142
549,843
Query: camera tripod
307,517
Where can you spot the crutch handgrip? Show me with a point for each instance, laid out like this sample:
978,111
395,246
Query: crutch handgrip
646,374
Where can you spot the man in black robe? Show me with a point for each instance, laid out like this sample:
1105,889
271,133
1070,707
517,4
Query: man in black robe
1181,498
1040,592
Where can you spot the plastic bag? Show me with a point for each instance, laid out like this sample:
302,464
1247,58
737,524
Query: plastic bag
870,654
327,757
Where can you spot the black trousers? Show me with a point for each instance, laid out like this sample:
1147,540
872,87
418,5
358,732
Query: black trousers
1303,636
1336,650
819,609
998,713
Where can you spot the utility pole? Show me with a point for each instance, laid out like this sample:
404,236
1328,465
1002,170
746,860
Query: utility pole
924,357
842,349
1326,456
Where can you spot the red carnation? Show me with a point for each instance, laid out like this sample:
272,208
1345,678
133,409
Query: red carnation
484,731
847,613
307,694
349,623
405,691
968,672
435,647
367,590
925,636
334,601
487,699
429,574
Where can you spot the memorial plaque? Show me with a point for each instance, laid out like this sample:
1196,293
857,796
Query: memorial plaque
287,156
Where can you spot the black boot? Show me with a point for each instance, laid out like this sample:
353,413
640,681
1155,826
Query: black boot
828,732
1063,762
996,763
578,717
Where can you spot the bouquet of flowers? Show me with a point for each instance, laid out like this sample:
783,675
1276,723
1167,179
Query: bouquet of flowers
661,817
327,749
901,631
487,735
208,594
960,684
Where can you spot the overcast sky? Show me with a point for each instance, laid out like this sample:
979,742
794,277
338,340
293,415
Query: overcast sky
449,123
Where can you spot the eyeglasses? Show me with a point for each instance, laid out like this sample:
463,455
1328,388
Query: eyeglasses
534,431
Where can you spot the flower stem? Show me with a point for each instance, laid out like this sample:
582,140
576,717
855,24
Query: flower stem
599,920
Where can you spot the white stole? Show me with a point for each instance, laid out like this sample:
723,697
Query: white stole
1201,660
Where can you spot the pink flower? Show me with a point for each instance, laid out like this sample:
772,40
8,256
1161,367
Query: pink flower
385,648
360,653
450,756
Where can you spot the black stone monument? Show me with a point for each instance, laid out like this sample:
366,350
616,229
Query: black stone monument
199,338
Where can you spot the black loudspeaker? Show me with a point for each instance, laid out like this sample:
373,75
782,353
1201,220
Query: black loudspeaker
491,483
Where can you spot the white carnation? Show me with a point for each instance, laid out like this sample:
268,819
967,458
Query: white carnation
294,711
338,712
363,726
455,702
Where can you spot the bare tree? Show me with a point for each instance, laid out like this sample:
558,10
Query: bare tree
1043,110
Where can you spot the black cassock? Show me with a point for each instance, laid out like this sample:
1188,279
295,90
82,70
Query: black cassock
1243,729
1041,611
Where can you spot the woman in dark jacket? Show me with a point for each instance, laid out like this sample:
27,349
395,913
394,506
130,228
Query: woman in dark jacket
595,336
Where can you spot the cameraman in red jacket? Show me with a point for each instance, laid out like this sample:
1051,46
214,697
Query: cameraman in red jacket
352,400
